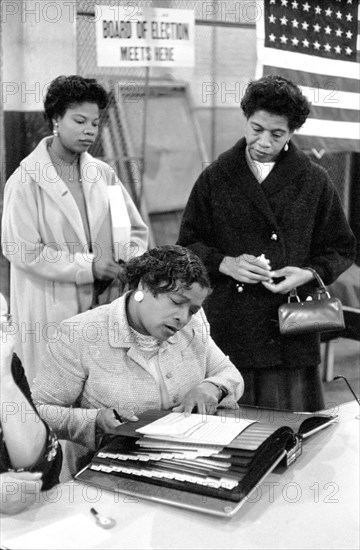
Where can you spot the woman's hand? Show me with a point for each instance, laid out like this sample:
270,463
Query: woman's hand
107,421
18,490
294,277
106,270
246,269
204,397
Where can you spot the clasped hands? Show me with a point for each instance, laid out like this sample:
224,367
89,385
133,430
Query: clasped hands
203,398
252,270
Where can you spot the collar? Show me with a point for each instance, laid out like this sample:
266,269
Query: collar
40,157
261,170
121,336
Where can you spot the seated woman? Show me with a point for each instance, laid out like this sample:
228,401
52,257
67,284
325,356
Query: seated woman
149,349
30,456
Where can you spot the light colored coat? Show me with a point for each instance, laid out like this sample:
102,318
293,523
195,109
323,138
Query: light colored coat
97,364
43,237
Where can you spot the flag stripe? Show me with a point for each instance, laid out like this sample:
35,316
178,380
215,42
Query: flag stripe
302,61
315,79
330,113
328,144
331,97
325,128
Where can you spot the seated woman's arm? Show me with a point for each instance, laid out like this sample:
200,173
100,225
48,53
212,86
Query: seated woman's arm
23,431
57,387
27,443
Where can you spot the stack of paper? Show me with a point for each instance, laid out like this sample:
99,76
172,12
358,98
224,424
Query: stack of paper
196,428
175,447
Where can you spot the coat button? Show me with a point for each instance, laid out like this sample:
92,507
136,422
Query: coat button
240,288
176,398
168,375
274,236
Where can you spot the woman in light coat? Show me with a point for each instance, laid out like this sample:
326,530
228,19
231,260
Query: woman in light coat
58,231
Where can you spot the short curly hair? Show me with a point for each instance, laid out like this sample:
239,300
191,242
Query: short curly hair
65,91
166,268
277,95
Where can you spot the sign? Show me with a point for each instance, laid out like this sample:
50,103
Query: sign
133,36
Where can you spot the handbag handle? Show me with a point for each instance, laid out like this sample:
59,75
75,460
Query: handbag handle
317,277
321,290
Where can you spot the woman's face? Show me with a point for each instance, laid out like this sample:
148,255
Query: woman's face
78,127
266,135
167,313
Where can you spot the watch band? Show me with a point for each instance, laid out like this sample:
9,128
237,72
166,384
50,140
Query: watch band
222,390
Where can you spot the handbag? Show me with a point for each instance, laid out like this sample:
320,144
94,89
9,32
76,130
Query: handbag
321,314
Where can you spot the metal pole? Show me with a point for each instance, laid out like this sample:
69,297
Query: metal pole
213,108
144,128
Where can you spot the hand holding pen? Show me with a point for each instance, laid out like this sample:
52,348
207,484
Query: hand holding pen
108,420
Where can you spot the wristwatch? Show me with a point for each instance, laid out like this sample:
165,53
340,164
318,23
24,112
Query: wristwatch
222,390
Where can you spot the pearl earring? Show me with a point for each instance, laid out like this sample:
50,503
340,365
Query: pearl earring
286,147
139,296
56,129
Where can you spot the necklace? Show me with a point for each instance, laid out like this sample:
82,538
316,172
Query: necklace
68,171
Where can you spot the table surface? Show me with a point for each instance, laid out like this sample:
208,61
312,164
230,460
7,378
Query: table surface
313,504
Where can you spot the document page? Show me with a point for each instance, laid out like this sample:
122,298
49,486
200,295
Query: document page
196,428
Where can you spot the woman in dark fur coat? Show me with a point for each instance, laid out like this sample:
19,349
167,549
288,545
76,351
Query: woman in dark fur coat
259,217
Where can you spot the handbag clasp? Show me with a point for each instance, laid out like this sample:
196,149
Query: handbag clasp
293,294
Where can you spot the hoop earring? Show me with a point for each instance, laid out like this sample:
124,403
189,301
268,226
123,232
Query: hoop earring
286,146
139,296
56,129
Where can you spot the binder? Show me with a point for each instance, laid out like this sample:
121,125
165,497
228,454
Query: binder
128,462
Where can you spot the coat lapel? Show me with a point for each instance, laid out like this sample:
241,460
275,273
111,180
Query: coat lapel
39,164
41,169
233,162
285,170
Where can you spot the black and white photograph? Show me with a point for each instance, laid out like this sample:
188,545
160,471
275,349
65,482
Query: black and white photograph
180,274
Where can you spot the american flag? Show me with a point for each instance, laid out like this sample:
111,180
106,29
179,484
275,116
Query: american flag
315,43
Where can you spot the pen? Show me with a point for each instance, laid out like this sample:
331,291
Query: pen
117,416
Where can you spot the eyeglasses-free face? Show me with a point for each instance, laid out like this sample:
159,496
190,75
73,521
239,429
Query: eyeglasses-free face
163,315
266,135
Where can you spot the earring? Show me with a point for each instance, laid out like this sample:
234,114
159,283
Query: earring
56,129
139,296
286,146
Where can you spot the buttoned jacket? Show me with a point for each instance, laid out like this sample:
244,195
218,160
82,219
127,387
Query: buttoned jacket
95,364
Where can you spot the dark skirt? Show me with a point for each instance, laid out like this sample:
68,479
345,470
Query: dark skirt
295,389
